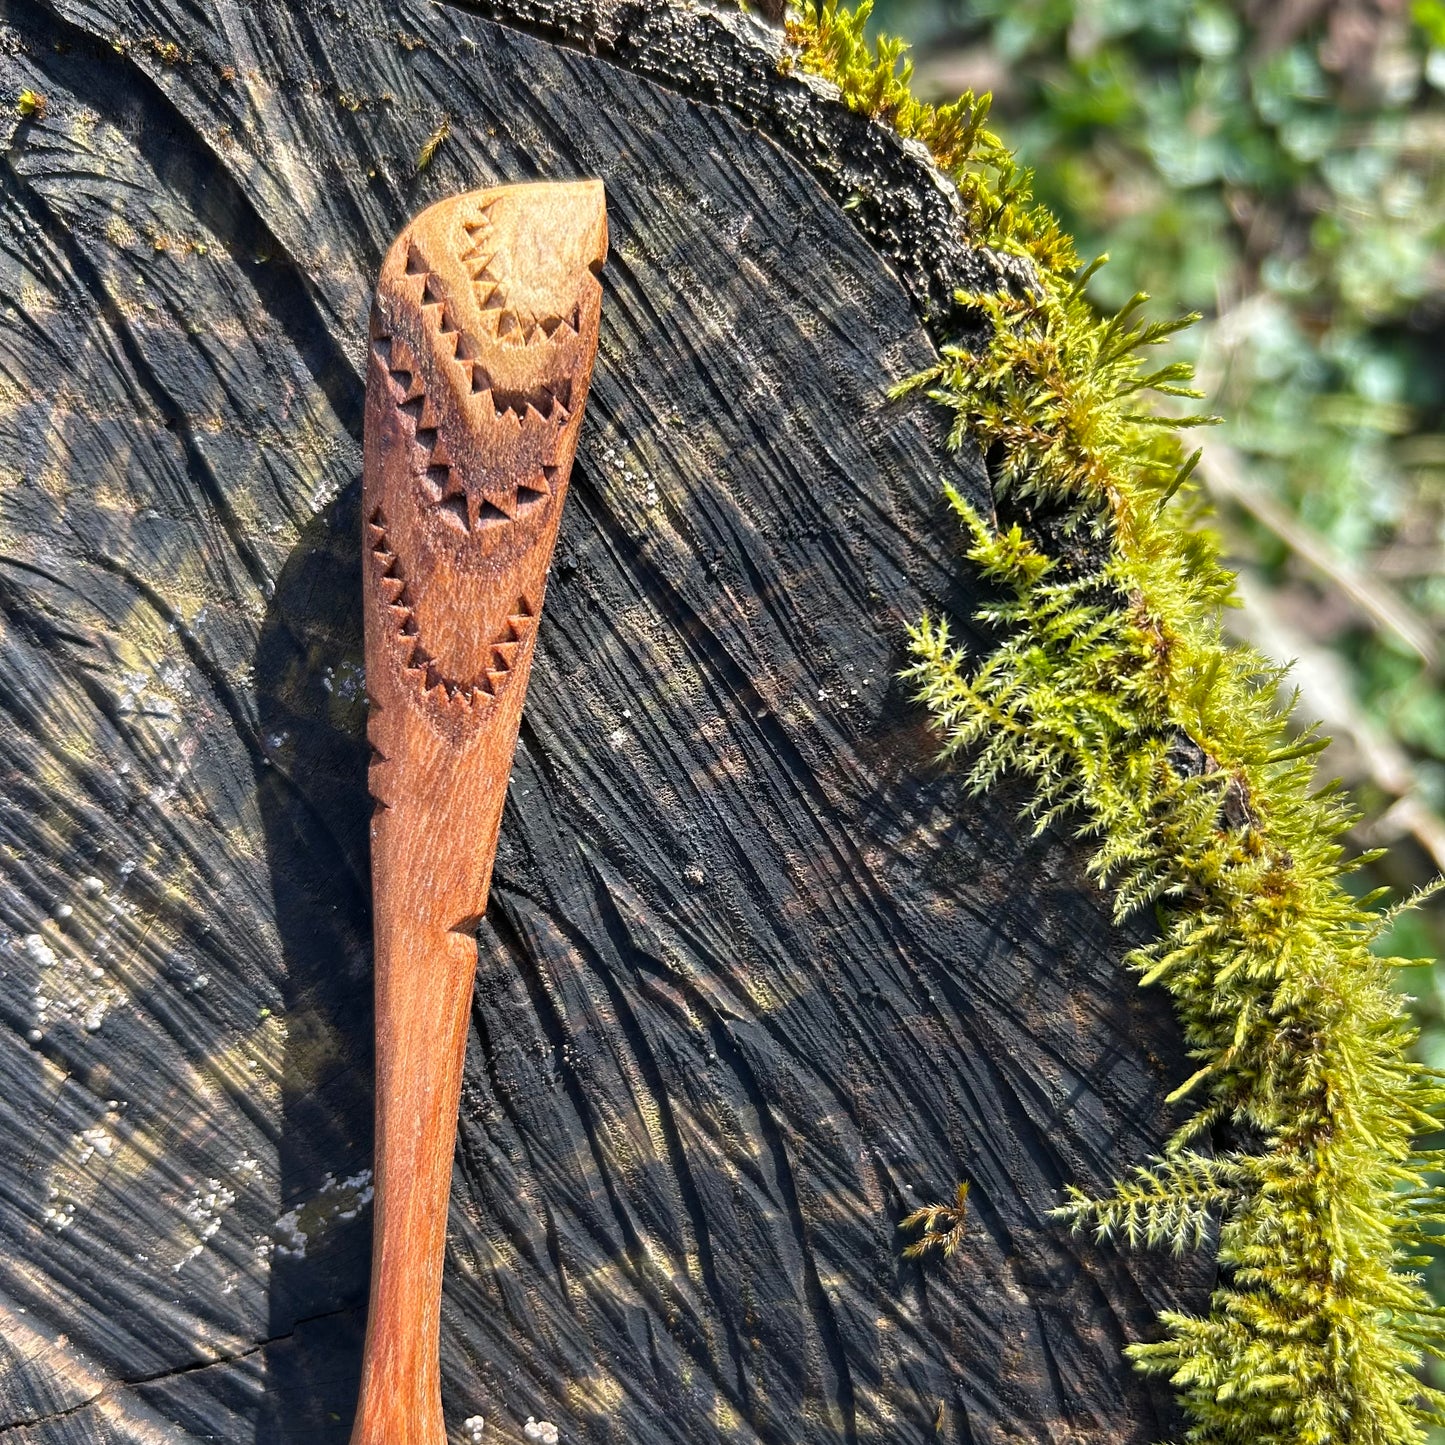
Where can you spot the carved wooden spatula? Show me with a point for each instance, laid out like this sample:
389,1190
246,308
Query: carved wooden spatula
482,342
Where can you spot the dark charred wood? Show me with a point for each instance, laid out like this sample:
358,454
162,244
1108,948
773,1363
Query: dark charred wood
757,978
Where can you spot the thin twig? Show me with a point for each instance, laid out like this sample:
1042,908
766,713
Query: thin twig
1224,476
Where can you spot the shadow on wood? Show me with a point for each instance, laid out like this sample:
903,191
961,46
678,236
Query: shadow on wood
308,677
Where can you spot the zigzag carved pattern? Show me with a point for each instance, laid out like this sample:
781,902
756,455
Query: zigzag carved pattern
419,667
513,326
552,402
445,489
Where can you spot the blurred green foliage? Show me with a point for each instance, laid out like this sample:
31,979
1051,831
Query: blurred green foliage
1278,165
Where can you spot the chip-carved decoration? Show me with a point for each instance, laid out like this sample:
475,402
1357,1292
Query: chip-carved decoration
483,336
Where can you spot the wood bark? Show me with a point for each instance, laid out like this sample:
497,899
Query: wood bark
756,977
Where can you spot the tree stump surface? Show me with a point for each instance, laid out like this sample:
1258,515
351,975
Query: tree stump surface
757,977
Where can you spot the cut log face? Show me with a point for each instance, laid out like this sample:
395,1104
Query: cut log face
756,978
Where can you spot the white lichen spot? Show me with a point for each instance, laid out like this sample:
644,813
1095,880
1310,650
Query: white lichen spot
38,951
157,708
347,681
542,1431
361,1193
66,985
289,1239
93,1141
472,1428
203,1211
59,1216
77,1175
300,1224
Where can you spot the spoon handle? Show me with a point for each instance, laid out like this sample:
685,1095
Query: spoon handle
483,337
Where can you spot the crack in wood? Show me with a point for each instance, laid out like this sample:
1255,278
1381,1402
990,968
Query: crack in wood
158,1377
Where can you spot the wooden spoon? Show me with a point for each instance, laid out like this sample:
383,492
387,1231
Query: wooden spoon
482,342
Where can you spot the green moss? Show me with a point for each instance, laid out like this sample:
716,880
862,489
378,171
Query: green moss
828,40
940,1226
1116,694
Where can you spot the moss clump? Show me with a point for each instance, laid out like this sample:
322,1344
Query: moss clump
828,40
1115,693
940,1226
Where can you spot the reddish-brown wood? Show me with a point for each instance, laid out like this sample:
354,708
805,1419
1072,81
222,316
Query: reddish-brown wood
482,342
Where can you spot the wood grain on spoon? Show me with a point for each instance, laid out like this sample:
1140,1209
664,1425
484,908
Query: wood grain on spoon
482,342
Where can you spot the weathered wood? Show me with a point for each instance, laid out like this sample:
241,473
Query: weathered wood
756,978
483,338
